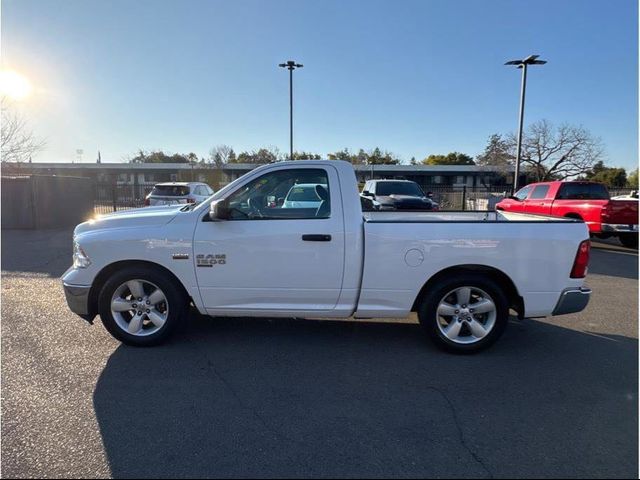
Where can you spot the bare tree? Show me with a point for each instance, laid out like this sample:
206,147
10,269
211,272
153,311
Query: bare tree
18,143
557,153
221,154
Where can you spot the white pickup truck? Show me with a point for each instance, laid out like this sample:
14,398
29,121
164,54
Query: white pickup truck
239,254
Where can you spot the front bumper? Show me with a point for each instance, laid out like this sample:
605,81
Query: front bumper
572,300
619,227
78,300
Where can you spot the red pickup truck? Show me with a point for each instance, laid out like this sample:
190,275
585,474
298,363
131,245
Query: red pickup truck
587,201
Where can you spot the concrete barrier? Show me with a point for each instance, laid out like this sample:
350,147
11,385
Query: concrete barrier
40,202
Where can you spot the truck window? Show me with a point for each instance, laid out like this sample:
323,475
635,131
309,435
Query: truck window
523,193
583,191
399,188
539,192
301,193
170,190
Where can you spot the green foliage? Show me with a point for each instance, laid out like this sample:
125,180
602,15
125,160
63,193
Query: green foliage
611,177
373,157
261,156
497,153
306,156
453,158
632,179
160,157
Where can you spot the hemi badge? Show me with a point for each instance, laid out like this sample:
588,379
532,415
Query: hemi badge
180,256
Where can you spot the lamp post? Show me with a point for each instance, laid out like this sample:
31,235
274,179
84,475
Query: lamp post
291,66
523,64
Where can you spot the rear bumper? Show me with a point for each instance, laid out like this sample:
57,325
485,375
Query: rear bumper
78,300
572,300
620,227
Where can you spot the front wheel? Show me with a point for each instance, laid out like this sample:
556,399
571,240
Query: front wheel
464,313
140,306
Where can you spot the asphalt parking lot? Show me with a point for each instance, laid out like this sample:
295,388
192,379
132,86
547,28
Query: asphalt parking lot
285,398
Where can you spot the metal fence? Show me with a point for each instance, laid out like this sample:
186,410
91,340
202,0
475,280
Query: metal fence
467,198
46,201
111,197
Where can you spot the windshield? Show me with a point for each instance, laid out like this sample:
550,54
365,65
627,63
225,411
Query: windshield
170,190
399,188
303,194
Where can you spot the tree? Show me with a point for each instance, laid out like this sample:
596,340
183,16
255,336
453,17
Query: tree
18,143
263,155
306,156
340,155
413,161
497,154
221,154
550,153
453,158
159,156
611,177
632,179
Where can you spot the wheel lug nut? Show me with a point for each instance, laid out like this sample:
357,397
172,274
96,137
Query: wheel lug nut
148,311
140,299
457,311
134,305
148,302
464,306
139,312
471,310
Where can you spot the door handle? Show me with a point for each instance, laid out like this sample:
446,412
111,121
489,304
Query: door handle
316,238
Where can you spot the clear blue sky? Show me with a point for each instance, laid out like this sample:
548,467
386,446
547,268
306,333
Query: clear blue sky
413,77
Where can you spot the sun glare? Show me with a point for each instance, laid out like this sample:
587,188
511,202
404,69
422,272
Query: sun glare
14,86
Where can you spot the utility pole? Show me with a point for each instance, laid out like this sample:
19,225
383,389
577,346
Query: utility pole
530,60
291,66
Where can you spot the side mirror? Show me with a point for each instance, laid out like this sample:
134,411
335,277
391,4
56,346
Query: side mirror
367,193
280,201
513,197
219,210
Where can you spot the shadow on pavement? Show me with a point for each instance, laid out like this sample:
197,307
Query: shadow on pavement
614,263
289,398
45,252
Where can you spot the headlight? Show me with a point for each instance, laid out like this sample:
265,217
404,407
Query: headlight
80,259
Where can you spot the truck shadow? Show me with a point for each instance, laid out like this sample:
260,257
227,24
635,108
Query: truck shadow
614,263
293,398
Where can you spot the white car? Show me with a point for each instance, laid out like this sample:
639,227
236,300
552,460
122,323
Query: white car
304,195
172,193
237,255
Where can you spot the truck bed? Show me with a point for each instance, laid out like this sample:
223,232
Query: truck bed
459,216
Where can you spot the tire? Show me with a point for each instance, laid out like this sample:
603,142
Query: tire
493,323
629,240
162,318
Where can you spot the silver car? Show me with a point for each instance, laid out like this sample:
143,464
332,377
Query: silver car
171,193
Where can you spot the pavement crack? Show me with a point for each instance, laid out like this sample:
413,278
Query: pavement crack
461,438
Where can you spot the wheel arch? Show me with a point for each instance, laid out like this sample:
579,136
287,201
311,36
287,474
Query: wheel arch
515,300
577,216
108,270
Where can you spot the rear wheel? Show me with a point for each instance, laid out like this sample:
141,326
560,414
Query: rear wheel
464,313
629,240
140,306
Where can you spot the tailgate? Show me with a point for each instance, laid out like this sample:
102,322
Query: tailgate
621,212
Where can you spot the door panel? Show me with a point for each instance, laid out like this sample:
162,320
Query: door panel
251,264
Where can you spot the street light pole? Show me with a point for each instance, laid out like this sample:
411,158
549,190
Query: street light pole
291,66
530,60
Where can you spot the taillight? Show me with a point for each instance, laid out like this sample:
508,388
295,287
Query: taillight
581,262
147,202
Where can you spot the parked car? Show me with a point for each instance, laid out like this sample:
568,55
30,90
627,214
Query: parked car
303,195
588,201
233,255
397,195
171,193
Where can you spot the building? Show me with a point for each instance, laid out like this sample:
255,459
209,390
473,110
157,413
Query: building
451,176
